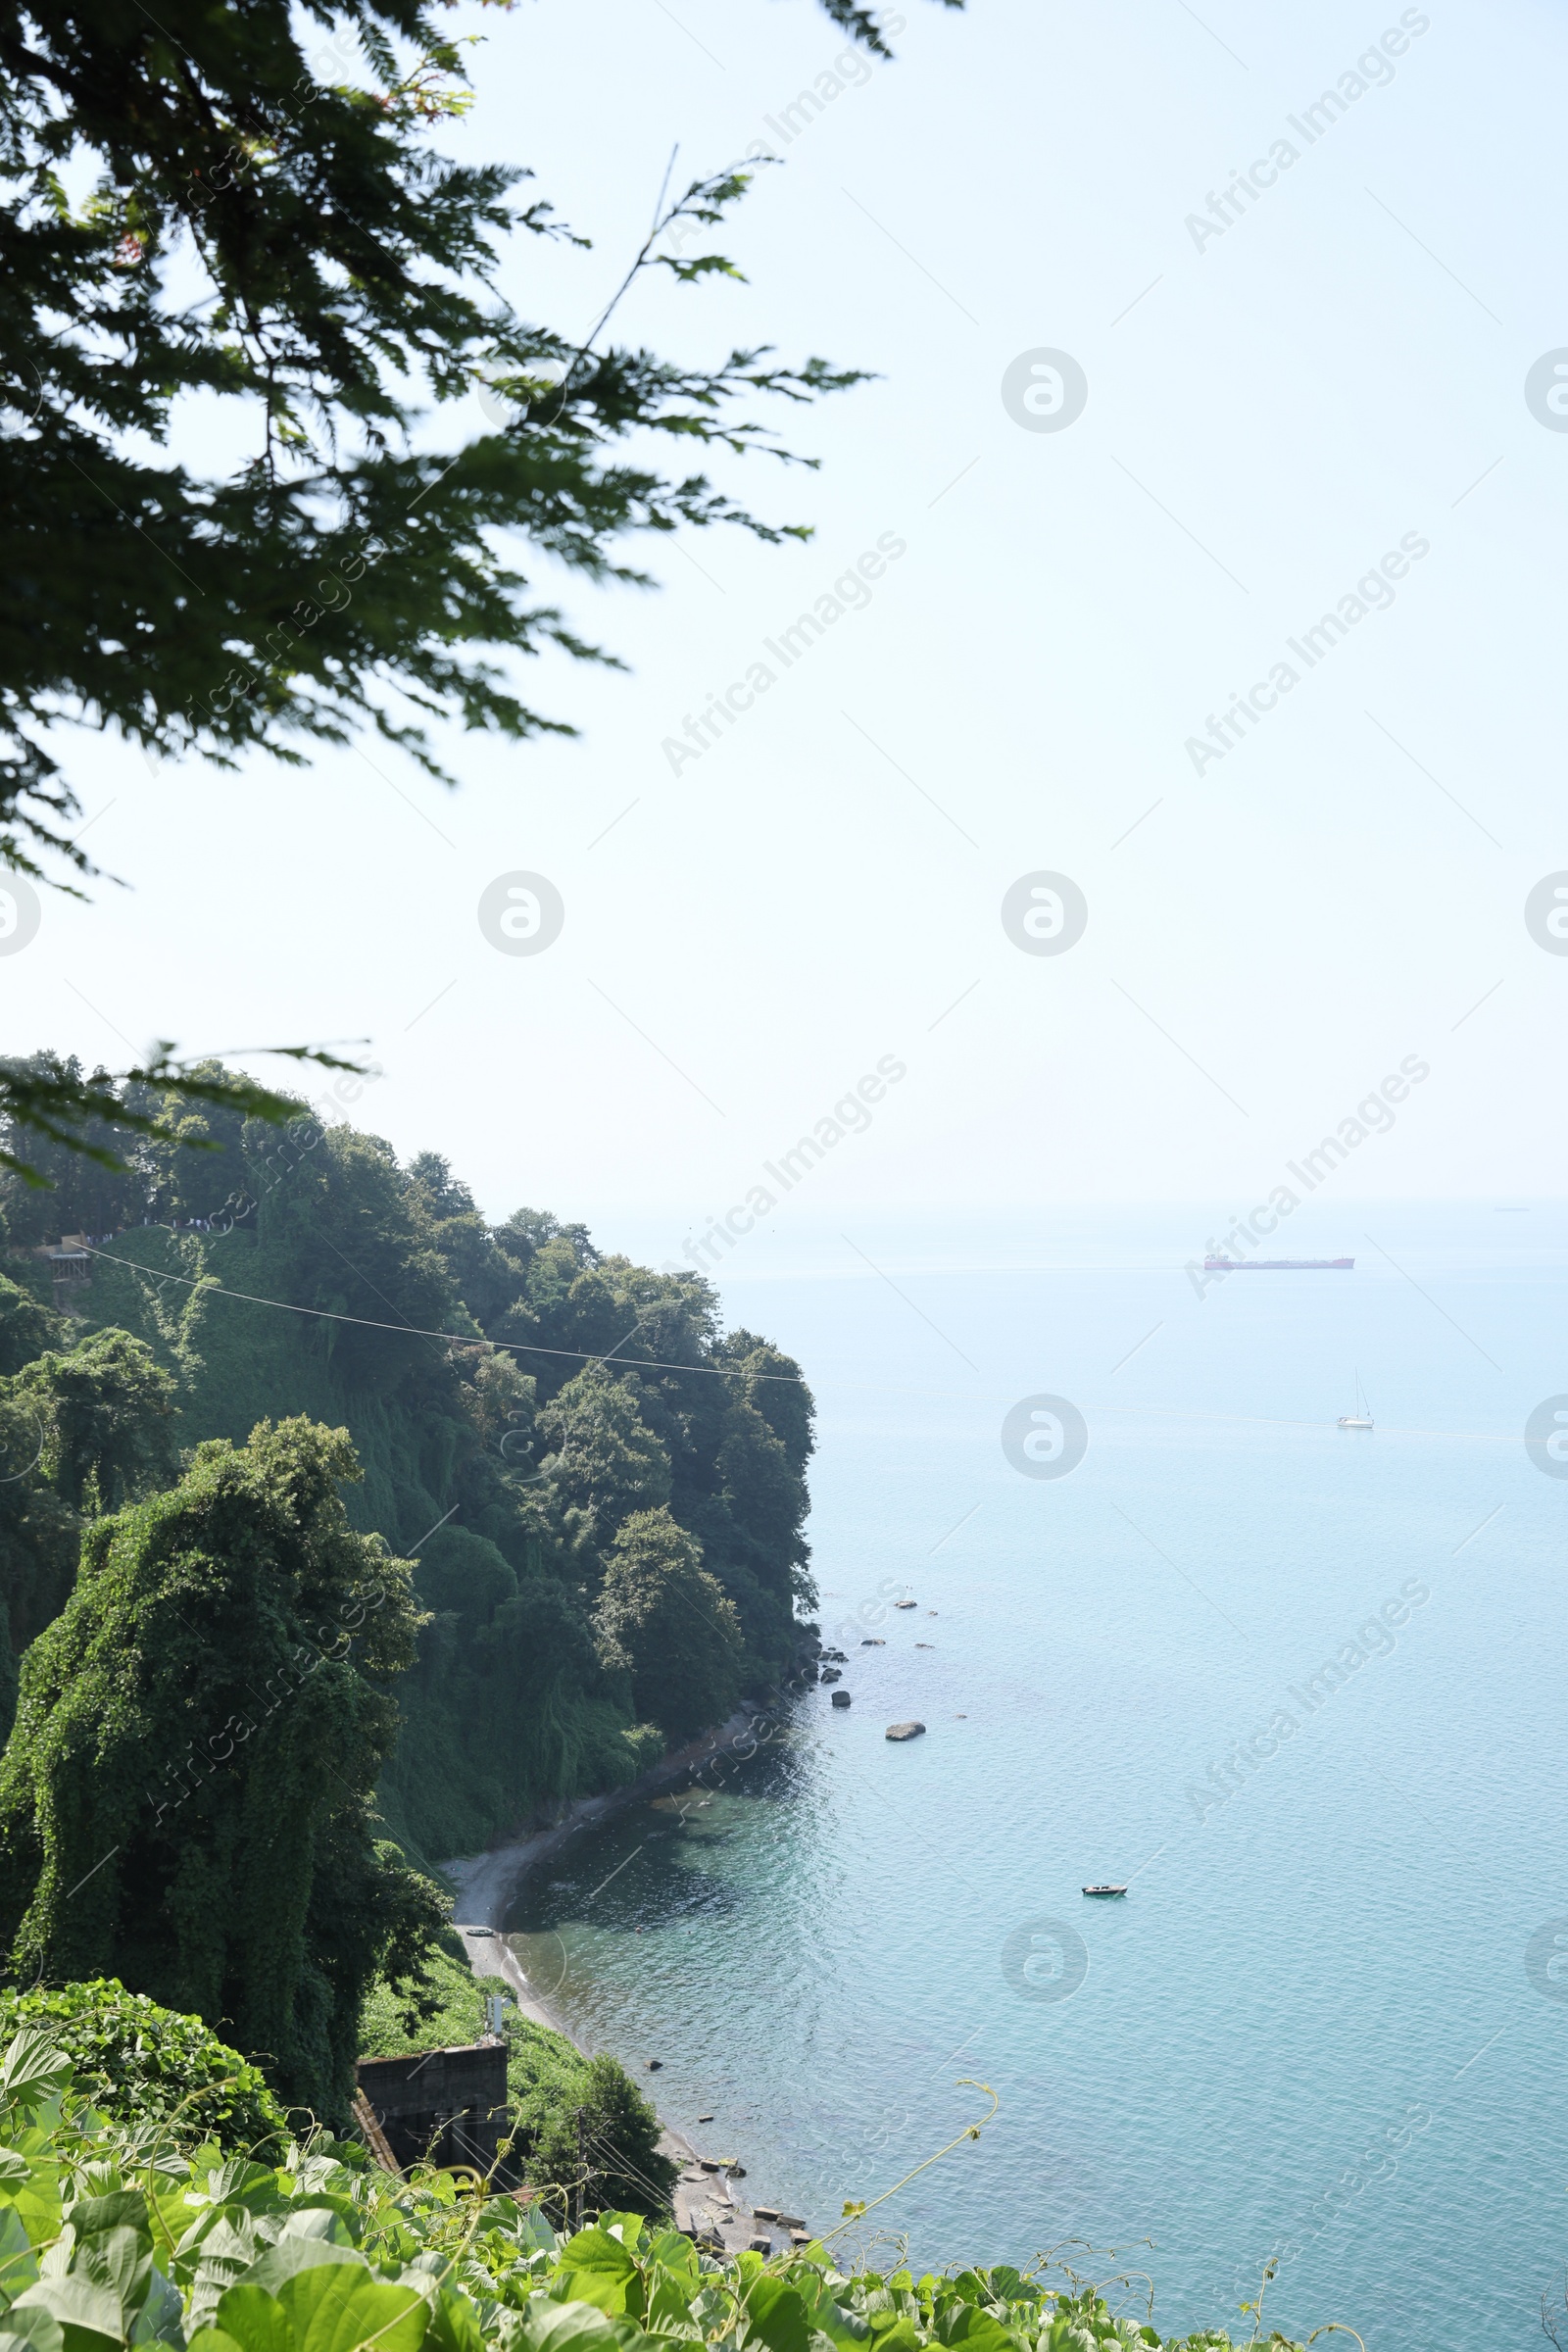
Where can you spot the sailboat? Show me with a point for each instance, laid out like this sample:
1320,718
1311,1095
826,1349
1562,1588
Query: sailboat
1361,1418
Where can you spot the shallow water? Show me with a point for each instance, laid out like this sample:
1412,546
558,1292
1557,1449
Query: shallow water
1308,2029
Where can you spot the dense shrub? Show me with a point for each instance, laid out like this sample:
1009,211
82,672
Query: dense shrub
143,2064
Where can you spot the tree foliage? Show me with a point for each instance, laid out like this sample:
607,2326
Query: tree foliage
104,1410
588,2127
270,224
672,1624
82,1428
64,1129
186,1801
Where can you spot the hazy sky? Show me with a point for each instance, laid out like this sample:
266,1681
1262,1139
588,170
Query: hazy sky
1274,407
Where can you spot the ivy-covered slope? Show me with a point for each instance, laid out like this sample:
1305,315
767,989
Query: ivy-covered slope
603,1491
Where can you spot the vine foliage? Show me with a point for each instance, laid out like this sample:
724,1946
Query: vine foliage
186,1801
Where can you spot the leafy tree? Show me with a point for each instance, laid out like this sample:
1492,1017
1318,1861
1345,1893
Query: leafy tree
669,1621
27,1326
482,1276
272,226
612,2153
604,1462
267,225
187,1799
361,1248
526,1231
80,1432
40,1539
464,1575
775,1386
106,1409
86,1136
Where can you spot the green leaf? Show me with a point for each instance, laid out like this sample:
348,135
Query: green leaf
32,2331
118,2259
121,2209
33,2066
453,2324
36,2202
14,2168
626,2228
977,2331
239,2179
161,2318
598,2269
777,2315
575,2327
284,2261
256,2320
332,2308
19,2266
595,2250
89,2314
321,2216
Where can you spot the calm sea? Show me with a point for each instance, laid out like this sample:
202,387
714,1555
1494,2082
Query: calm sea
1328,2021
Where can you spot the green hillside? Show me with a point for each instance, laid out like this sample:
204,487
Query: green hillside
603,1491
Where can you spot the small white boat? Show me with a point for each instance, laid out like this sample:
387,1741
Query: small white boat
1361,1418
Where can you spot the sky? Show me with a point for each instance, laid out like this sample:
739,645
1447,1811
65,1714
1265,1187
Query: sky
1129,440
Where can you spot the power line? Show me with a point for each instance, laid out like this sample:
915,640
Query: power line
458,1339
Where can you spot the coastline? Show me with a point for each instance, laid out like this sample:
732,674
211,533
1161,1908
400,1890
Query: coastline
703,2197
487,1883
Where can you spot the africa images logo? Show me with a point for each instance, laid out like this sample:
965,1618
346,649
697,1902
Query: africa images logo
1044,1960
1045,1436
521,913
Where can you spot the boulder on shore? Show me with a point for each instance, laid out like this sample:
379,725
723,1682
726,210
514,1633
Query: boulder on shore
904,1730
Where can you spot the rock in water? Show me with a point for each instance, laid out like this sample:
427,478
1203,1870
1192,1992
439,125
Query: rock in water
904,1730
841,1698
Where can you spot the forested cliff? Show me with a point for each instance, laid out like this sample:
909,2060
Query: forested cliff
601,1491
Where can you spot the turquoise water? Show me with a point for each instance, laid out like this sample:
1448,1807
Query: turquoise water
1308,2030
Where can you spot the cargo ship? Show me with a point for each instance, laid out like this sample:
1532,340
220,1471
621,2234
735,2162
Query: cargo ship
1278,1265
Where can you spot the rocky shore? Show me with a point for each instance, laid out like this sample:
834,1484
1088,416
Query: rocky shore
707,2206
